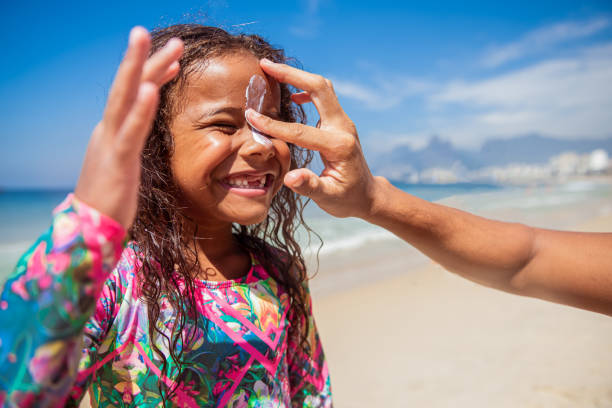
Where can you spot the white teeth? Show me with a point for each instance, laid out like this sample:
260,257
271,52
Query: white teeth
243,182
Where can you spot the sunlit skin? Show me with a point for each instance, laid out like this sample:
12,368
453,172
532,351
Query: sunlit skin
110,175
566,267
213,145
572,268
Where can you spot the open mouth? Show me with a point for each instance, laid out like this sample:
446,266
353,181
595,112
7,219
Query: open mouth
249,182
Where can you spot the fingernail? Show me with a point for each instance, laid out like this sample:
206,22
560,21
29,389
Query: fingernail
134,32
131,37
252,114
266,61
294,180
174,41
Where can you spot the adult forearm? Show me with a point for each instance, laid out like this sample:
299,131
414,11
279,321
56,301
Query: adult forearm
565,267
486,251
571,268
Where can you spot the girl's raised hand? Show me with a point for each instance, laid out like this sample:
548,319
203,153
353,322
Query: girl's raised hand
110,176
346,186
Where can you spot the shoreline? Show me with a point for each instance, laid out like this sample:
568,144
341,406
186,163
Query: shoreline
421,336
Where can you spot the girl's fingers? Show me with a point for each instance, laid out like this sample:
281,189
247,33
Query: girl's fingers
320,89
301,98
127,81
157,67
138,122
170,73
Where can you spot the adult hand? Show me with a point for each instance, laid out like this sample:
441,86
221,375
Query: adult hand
346,186
110,176
572,268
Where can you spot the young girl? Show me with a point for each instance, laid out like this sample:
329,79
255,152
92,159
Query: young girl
207,304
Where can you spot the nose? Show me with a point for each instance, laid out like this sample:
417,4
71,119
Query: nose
251,148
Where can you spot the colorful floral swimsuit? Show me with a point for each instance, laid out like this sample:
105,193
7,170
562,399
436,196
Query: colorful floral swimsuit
71,320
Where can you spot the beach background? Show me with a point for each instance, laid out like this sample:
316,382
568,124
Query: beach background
498,108
399,330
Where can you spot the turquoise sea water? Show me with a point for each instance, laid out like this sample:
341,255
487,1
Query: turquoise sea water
24,215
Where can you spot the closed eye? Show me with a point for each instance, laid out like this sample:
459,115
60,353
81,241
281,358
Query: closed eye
226,128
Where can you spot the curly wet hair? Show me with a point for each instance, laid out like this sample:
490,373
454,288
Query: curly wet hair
165,250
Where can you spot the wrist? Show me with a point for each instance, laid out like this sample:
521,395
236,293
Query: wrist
96,226
378,198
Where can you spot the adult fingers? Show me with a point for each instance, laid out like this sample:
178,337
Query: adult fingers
320,89
301,98
127,81
304,182
162,66
295,133
333,145
138,122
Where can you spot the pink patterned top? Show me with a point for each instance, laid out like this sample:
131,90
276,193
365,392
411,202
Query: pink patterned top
82,326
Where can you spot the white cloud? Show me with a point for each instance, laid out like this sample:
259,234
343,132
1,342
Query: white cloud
355,91
543,38
569,97
385,94
378,141
565,97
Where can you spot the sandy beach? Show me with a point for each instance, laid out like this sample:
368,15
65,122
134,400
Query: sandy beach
410,334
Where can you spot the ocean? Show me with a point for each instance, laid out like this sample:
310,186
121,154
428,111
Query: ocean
24,215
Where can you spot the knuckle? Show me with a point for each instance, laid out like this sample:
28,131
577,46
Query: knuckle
309,190
349,143
320,82
264,124
264,120
123,149
350,127
137,119
298,131
280,72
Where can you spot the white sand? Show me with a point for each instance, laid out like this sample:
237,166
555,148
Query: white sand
427,338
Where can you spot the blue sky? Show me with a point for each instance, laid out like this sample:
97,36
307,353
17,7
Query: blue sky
404,71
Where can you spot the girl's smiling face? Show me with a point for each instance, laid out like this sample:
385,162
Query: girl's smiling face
224,175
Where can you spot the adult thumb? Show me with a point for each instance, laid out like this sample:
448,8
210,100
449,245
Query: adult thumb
303,181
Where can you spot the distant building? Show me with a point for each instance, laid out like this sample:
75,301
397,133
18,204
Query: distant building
598,161
558,169
565,164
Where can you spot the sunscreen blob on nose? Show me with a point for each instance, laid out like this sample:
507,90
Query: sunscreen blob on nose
255,93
